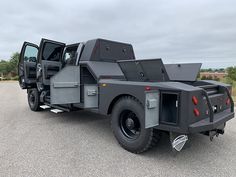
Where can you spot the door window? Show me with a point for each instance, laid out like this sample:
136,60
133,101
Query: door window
30,54
52,52
70,55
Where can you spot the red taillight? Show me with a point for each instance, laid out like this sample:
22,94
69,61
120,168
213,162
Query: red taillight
196,112
227,101
147,88
195,100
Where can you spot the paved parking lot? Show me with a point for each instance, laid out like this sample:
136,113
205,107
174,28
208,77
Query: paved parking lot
82,144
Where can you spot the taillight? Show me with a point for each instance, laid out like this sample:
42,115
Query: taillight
147,88
196,112
227,101
195,100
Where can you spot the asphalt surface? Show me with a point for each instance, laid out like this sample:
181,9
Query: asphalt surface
82,144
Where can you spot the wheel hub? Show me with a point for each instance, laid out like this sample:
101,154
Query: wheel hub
32,98
129,123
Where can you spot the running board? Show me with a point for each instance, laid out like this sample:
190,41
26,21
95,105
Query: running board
56,111
45,106
61,108
55,108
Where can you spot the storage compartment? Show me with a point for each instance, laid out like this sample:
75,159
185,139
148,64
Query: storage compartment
152,108
85,78
169,108
90,96
65,86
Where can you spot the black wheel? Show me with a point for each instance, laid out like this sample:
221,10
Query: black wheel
33,99
127,124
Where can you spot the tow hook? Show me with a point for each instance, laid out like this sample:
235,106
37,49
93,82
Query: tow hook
216,133
178,142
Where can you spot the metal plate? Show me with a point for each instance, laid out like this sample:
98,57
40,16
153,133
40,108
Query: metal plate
65,86
183,72
151,70
152,108
56,111
104,69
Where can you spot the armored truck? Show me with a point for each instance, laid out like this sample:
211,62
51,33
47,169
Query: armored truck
143,98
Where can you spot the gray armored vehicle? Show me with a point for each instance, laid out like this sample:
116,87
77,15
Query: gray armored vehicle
144,97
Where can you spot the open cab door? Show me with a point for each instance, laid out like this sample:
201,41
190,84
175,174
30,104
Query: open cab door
27,65
49,61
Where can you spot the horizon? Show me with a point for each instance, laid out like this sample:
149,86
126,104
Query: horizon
205,65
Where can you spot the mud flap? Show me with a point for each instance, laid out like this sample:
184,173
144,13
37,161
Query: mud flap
177,141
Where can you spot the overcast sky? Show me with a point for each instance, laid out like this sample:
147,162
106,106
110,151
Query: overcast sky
175,30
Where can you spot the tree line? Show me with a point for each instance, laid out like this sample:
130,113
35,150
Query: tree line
8,68
230,76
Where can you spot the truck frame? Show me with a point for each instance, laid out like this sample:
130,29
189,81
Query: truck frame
144,98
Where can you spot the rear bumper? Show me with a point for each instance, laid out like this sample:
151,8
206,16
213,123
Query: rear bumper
206,125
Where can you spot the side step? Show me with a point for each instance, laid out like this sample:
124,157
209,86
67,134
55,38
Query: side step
55,108
45,107
56,111
59,109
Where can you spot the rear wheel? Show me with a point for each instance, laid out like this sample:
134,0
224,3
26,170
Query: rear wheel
128,126
33,99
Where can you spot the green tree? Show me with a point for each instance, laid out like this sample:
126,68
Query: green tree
232,73
203,78
209,78
228,80
222,70
14,62
209,70
9,67
4,67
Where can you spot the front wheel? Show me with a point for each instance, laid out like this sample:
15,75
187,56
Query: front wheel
33,99
127,123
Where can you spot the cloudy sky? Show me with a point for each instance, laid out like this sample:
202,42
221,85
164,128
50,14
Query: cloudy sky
174,30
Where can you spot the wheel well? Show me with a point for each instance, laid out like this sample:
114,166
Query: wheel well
113,102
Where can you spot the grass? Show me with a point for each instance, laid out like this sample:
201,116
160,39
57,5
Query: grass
233,83
234,92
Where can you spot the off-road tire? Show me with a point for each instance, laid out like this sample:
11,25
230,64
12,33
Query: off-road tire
146,139
33,99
